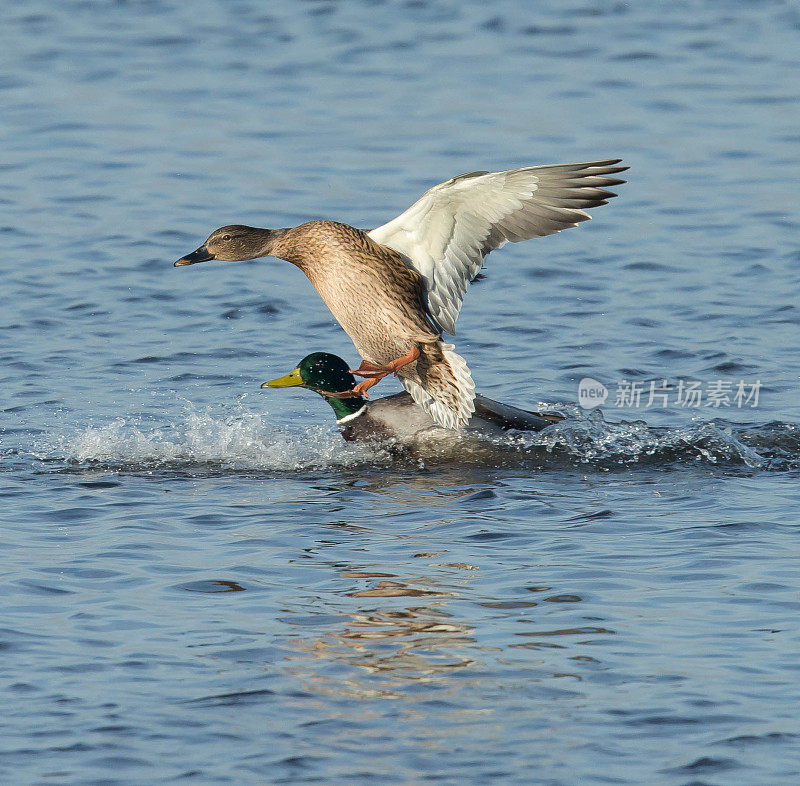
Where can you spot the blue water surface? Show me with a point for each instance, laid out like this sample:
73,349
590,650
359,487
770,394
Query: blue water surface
202,583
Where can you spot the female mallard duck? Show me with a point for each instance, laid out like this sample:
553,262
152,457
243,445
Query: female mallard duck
397,288
396,417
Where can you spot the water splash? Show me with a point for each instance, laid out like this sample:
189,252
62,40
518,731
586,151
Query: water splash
204,439
590,439
245,441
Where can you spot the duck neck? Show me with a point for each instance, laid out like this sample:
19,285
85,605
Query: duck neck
270,241
344,407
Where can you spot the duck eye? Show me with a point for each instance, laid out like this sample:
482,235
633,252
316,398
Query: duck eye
226,237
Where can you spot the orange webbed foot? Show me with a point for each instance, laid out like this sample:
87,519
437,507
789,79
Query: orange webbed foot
376,372
362,387
359,390
370,370
342,394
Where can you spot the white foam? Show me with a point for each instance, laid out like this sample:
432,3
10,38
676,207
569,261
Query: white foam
218,439
589,438
240,441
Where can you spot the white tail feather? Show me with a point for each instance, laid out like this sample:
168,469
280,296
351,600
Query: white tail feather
447,412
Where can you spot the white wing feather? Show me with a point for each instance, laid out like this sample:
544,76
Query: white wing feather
454,412
446,234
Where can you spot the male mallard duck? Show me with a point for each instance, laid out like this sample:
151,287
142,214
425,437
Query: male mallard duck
396,417
397,288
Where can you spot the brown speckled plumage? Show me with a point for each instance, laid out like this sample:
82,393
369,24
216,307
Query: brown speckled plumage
375,297
396,288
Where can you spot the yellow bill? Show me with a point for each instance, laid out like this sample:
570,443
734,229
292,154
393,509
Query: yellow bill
291,380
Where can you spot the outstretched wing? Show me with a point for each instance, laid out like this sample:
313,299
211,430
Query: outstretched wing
446,234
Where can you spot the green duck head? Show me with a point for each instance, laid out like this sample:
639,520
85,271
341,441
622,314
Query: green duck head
323,373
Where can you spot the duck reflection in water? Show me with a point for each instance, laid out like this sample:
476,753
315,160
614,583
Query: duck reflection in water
401,642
